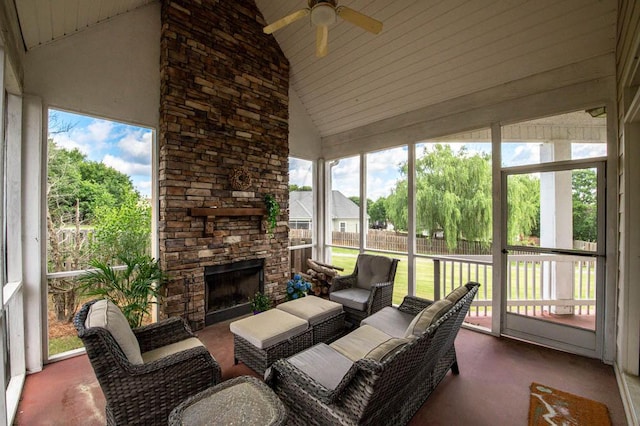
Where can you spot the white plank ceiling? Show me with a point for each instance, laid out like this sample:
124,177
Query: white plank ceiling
428,51
43,21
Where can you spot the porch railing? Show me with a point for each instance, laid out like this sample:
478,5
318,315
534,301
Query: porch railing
529,278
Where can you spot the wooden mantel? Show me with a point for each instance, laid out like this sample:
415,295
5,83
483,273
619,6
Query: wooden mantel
210,213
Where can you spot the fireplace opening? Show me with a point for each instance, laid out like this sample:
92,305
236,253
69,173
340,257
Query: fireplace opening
229,287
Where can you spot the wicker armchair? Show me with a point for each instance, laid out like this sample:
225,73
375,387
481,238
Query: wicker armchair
371,392
145,393
368,289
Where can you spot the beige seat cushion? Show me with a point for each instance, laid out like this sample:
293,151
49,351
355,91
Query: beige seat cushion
268,328
386,349
357,344
390,320
372,270
311,308
428,316
322,363
354,298
163,351
105,314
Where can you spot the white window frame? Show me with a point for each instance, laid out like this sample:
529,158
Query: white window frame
12,310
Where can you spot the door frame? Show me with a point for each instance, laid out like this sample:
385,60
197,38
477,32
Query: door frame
582,342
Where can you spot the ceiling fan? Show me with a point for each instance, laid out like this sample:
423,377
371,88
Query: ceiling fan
323,13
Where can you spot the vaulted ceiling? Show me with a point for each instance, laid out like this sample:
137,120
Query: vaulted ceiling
429,51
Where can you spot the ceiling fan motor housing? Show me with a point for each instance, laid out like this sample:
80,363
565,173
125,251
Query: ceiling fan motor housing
323,13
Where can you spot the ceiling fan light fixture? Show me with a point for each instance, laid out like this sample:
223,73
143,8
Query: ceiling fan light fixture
323,14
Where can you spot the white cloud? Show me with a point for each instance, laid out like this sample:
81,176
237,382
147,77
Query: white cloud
385,160
588,150
143,186
300,172
89,139
517,154
136,145
64,140
127,167
345,176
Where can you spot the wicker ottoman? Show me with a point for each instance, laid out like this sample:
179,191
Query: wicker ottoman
260,340
241,401
324,316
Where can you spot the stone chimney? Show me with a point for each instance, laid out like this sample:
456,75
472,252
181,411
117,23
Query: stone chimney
223,113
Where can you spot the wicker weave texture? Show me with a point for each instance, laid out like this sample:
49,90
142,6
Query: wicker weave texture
329,329
260,359
146,394
374,393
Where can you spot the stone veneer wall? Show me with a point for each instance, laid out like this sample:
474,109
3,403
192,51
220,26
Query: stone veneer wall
224,105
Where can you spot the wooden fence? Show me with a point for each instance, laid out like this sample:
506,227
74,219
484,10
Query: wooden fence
390,241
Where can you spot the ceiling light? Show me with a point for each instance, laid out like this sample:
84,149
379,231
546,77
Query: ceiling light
323,14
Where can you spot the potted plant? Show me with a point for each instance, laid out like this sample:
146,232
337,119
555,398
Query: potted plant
297,287
273,210
260,302
133,289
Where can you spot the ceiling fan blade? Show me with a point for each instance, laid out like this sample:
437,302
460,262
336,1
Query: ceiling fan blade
283,22
322,41
356,18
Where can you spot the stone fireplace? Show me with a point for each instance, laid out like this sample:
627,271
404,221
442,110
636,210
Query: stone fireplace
223,108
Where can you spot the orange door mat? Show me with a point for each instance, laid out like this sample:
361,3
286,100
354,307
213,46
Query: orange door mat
549,406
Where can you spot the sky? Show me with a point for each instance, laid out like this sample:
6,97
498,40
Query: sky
124,147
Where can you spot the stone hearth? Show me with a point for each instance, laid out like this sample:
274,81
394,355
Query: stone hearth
224,106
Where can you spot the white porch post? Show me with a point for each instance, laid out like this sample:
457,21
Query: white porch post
556,223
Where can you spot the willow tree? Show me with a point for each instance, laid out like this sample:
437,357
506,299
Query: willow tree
453,195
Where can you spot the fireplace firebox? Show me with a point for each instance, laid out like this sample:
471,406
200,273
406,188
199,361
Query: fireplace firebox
229,287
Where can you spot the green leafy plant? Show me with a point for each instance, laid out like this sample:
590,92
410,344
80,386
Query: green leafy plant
273,210
133,289
260,302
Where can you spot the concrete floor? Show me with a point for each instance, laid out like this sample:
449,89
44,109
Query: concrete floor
492,388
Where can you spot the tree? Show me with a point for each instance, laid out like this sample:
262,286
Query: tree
79,192
585,206
355,199
294,187
72,179
378,213
122,229
523,205
453,195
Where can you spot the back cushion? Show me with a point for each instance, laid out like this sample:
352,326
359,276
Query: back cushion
457,294
372,270
385,349
428,316
105,314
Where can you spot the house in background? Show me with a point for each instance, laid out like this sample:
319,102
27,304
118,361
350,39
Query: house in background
345,214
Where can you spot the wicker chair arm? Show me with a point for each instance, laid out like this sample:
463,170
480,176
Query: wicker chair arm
191,362
284,370
342,282
162,333
381,295
413,305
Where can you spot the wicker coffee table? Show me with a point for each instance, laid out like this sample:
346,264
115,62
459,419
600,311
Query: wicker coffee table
241,401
